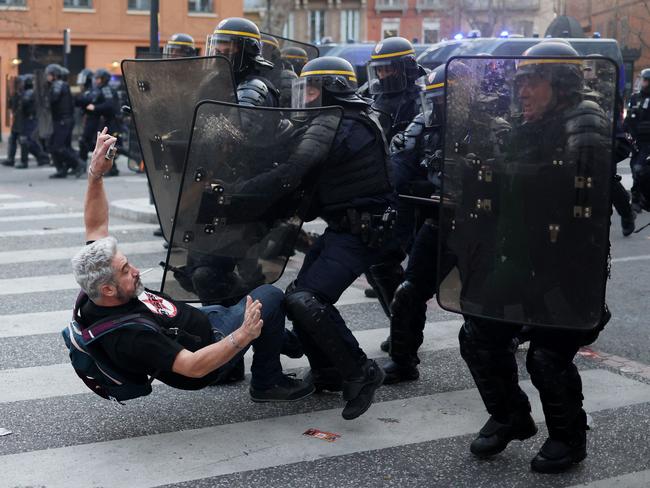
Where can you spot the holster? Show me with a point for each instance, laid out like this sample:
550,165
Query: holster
374,229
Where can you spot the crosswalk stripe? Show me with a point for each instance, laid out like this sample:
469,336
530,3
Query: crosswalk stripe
39,382
73,230
148,461
42,216
640,479
643,257
8,196
25,205
53,254
37,284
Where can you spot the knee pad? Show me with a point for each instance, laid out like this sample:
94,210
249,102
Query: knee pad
551,371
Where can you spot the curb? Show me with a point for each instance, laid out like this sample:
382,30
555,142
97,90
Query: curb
138,209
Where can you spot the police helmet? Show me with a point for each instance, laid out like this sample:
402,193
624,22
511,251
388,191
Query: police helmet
294,58
85,78
270,48
65,72
28,81
240,41
645,74
392,67
179,45
565,75
54,70
325,81
103,75
433,99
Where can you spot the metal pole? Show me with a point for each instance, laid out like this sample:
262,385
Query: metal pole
66,46
268,16
153,27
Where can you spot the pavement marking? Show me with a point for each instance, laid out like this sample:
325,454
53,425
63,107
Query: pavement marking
38,382
42,216
25,205
148,461
643,257
640,479
25,324
627,180
51,283
8,196
57,253
74,230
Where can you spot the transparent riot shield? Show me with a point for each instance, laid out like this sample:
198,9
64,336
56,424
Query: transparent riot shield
526,199
45,125
288,58
249,177
163,94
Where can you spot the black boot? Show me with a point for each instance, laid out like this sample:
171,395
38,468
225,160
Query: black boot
360,392
385,345
8,162
396,372
557,456
495,436
627,223
59,174
21,165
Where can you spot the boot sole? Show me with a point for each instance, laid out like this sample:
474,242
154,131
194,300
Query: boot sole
554,466
521,437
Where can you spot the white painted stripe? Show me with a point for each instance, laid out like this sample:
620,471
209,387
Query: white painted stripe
149,461
627,180
643,257
8,196
24,205
36,284
640,479
25,324
59,379
73,230
32,255
42,216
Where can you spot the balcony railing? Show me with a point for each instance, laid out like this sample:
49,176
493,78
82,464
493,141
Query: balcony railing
382,5
431,5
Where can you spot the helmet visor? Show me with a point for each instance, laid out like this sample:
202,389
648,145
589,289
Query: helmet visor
433,102
307,93
386,77
178,49
228,46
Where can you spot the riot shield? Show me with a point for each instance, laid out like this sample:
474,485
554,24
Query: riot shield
287,63
527,171
45,125
249,176
11,84
163,94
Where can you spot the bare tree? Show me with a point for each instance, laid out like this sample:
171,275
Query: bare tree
277,12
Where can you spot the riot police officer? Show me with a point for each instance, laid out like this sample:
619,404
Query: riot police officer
100,106
240,41
62,107
556,122
416,156
294,58
353,196
637,122
14,104
28,144
392,72
179,45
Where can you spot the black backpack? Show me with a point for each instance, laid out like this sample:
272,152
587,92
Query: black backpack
93,366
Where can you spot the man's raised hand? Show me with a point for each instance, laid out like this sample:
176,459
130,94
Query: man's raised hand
99,164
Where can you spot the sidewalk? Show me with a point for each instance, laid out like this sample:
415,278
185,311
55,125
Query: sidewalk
138,209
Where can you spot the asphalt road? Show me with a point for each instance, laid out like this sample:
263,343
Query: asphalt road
416,434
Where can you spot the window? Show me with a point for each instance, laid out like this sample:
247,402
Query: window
389,28
200,6
288,29
12,3
139,5
316,25
430,31
349,25
77,3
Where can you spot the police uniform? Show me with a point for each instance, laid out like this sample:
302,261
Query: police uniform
637,123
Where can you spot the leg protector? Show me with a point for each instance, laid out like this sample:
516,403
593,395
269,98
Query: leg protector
560,389
384,279
488,350
315,320
408,316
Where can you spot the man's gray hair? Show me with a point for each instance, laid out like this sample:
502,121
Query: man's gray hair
92,266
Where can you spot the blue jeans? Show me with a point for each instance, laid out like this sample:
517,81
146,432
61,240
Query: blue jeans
266,369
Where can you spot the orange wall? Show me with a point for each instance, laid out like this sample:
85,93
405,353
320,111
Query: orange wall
108,31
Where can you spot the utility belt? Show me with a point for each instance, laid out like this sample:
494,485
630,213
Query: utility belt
374,229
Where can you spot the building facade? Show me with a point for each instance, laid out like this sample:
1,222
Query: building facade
627,22
103,32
